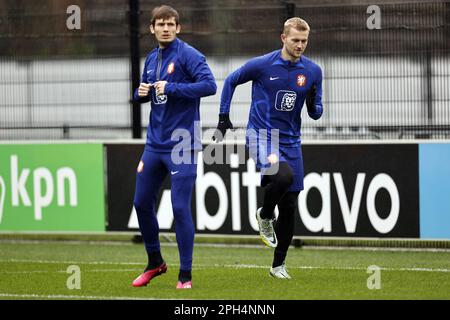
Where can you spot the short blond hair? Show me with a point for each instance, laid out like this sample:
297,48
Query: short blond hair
296,23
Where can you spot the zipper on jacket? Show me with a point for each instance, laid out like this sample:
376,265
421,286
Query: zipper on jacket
158,70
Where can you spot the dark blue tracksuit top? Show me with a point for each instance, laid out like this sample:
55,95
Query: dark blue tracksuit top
279,90
175,116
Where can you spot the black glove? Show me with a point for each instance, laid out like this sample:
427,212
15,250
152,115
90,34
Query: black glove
222,126
311,98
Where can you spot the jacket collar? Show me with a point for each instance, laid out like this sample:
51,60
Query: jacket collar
172,46
280,61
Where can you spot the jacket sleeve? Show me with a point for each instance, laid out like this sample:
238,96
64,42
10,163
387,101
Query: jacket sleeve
136,97
203,83
316,111
247,72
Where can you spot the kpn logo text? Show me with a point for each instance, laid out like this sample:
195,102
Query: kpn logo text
44,187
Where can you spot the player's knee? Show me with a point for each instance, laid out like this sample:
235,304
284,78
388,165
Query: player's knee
285,176
287,179
141,204
184,223
182,212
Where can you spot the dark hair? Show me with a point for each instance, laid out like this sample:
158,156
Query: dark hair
164,12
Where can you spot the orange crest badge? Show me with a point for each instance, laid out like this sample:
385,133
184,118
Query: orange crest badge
140,167
171,68
301,80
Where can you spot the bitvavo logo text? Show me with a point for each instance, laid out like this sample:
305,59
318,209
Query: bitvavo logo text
43,188
251,180
322,182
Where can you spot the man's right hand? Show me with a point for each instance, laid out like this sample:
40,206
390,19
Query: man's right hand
143,90
222,127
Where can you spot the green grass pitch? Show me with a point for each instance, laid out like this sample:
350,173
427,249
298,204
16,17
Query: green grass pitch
38,270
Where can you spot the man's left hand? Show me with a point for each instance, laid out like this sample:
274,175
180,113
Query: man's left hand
311,98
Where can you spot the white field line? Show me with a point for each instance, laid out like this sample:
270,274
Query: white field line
68,242
343,248
64,271
221,245
413,269
77,297
126,243
73,262
206,266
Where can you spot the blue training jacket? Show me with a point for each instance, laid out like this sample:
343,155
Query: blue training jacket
279,90
175,116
